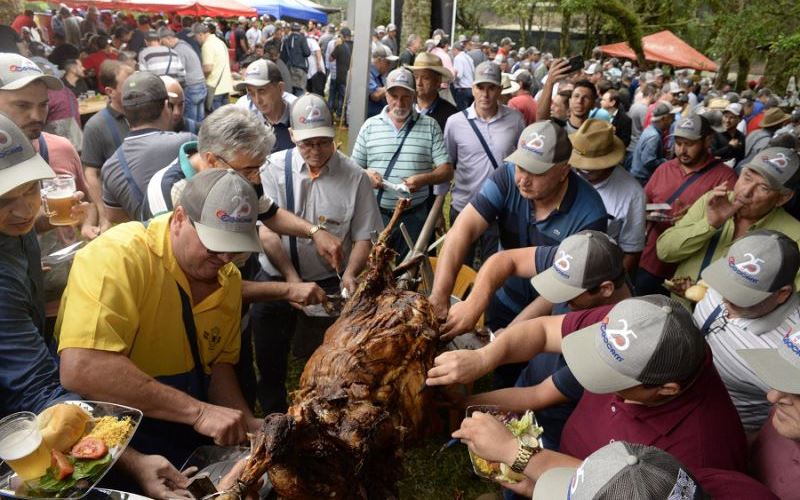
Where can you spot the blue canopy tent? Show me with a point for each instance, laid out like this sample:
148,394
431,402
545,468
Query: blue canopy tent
280,9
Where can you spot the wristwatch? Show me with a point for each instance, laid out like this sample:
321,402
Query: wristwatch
528,447
314,229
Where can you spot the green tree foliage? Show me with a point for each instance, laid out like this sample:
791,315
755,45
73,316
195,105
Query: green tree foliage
621,19
417,17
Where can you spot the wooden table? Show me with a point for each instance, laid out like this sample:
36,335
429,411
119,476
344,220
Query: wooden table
88,107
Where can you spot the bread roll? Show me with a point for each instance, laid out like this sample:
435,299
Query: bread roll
62,426
697,292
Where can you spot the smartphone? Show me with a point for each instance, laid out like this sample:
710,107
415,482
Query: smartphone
575,63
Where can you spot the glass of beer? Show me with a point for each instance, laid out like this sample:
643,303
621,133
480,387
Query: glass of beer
22,447
58,199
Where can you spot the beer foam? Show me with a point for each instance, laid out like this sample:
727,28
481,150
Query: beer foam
19,444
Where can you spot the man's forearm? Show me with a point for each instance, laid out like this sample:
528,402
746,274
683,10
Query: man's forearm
224,389
263,291
536,397
358,257
108,376
536,309
273,249
442,173
93,182
543,106
285,222
493,273
523,341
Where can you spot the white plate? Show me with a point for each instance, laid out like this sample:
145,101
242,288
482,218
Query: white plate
97,409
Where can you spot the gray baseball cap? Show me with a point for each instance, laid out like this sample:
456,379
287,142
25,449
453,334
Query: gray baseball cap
693,127
401,77
583,261
777,165
199,28
714,117
541,145
17,72
143,87
488,72
779,368
620,470
260,73
310,118
19,162
643,340
756,266
664,109
223,207
381,51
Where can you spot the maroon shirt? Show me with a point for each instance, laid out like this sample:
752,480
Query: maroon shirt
732,485
700,427
665,181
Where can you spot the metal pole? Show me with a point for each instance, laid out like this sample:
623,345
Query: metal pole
453,24
392,11
351,13
359,69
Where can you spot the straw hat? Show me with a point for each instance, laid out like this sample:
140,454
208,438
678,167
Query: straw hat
595,147
774,117
426,60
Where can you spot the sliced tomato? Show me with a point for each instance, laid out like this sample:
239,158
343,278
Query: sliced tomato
89,448
61,465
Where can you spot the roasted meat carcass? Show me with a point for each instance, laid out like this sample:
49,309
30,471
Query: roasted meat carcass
360,398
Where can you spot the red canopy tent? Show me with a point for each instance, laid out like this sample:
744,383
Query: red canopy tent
213,8
663,47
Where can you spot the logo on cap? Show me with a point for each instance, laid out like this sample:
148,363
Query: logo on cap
403,77
253,70
616,340
313,115
577,479
779,162
792,341
747,269
7,146
535,143
562,264
488,70
240,214
24,66
684,489
686,124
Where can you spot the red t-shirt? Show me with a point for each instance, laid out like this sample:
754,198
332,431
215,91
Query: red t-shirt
94,60
755,123
579,320
22,21
525,104
63,159
665,181
700,427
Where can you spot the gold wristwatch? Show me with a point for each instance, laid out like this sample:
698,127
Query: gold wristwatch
528,447
314,229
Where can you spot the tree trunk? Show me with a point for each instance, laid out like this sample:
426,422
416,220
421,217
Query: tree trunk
564,46
724,69
417,17
741,74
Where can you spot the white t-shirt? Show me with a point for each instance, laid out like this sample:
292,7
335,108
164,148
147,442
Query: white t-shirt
313,45
625,201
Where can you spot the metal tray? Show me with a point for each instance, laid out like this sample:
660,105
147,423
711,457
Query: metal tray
11,486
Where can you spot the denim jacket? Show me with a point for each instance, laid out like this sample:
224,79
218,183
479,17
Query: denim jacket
29,379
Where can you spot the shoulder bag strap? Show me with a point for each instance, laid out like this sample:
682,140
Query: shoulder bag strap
112,127
710,320
126,172
191,337
169,62
712,247
689,181
43,151
289,182
394,158
481,139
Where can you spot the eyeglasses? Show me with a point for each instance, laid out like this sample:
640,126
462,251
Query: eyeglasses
318,144
243,170
720,323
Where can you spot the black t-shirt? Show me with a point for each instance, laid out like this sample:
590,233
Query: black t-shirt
63,53
442,110
406,58
79,88
240,38
341,55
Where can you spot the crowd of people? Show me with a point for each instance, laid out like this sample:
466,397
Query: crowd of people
595,201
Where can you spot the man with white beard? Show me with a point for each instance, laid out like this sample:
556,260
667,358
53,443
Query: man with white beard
404,148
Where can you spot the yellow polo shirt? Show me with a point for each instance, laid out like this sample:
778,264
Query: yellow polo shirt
122,297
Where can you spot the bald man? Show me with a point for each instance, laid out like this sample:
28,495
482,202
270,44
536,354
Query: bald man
179,123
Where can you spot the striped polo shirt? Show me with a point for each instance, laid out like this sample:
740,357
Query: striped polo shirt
423,150
725,335
163,61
